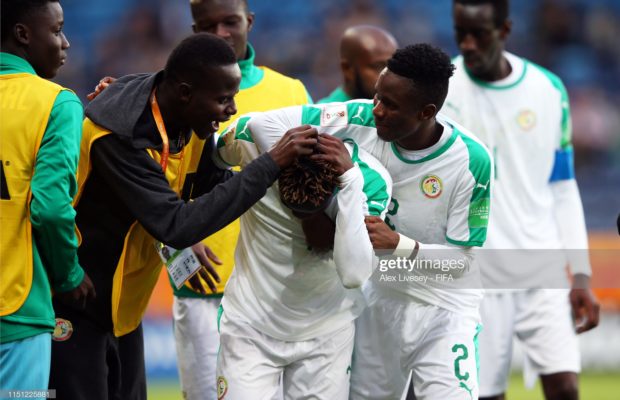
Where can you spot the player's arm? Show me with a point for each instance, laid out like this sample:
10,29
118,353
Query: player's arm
137,180
468,217
353,253
571,224
53,187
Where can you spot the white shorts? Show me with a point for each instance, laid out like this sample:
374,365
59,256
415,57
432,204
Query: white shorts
252,365
197,342
396,336
541,321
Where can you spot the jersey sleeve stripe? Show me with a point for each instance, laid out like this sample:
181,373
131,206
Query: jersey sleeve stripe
479,206
566,124
375,186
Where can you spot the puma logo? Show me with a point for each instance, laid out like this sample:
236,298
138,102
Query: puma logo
377,203
479,185
244,133
360,109
464,386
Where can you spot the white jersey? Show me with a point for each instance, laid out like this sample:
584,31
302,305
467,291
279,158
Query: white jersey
279,285
524,119
441,199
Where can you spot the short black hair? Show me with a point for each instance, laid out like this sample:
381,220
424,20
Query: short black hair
14,11
500,8
307,184
429,69
195,55
246,7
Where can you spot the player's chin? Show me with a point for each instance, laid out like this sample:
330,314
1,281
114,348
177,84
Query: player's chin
384,133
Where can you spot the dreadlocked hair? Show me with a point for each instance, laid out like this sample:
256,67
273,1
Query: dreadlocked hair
307,184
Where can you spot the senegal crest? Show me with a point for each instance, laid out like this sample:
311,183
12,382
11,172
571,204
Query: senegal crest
431,186
63,330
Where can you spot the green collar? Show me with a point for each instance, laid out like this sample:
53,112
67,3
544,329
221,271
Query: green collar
12,64
250,73
431,156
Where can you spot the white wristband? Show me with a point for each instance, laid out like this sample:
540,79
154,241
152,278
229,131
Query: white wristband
405,246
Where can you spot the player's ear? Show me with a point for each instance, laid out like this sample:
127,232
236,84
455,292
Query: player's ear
185,92
505,29
22,33
428,112
250,18
347,70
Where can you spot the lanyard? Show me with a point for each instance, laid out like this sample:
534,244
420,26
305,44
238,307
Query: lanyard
165,151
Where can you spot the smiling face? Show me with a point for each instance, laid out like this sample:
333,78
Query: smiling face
397,116
479,39
212,101
45,43
228,19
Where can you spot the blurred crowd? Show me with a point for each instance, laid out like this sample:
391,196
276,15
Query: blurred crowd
573,38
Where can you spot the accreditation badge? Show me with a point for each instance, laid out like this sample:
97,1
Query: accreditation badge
181,264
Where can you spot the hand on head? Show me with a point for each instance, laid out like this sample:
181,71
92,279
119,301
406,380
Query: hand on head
332,150
296,142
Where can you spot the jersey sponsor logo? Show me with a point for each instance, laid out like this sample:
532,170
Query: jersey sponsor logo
335,115
222,387
526,119
63,330
479,213
431,186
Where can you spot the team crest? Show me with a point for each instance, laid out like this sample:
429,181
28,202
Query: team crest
431,186
222,387
526,120
63,330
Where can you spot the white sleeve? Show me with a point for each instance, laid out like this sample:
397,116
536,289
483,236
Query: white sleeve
268,127
353,253
571,224
235,146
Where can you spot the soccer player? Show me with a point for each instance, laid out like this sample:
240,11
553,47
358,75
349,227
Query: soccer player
439,210
286,320
40,131
364,51
261,89
131,176
521,112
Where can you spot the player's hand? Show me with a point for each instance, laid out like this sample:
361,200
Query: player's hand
584,304
296,142
333,151
381,236
80,295
103,83
207,272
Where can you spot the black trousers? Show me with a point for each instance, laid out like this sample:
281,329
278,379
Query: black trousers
93,364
